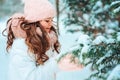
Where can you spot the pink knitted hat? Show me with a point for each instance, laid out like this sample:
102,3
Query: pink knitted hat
36,10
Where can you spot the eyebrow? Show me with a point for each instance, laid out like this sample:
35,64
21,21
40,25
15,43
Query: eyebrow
49,19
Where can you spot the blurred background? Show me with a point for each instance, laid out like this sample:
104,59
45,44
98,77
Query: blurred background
90,29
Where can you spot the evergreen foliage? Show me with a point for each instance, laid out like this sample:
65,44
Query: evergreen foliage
97,18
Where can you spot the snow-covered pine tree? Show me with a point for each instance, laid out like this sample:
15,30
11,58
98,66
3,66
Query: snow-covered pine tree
99,23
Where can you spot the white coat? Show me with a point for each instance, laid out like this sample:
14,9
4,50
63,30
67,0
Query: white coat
22,64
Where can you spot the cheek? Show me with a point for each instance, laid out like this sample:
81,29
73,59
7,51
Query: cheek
44,24
38,31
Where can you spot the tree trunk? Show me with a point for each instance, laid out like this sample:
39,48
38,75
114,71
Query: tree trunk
57,8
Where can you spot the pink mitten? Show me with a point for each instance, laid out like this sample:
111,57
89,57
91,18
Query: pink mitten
15,22
67,65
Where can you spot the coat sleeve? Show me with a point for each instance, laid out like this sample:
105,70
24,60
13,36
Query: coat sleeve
23,67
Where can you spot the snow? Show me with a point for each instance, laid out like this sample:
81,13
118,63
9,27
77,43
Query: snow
110,31
74,27
118,36
110,40
99,39
84,50
106,7
84,39
115,74
115,2
97,8
116,10
112,24
86,17
102,58
98,4
97,23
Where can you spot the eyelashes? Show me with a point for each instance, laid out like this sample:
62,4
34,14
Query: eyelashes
48,21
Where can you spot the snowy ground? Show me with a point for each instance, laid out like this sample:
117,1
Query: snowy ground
67,40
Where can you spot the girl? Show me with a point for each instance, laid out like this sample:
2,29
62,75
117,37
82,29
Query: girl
41,11
33,43
32,50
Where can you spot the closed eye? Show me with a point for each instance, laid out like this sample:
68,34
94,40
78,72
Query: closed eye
48,21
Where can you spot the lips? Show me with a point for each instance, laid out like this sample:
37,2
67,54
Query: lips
47,28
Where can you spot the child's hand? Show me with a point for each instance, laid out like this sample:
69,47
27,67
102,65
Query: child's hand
15,23
67,64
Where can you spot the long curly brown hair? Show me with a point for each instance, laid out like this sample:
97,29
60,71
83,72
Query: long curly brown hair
38,44
10,36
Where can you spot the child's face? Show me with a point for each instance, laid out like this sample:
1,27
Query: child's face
47,24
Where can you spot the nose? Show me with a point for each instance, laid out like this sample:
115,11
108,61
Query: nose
50,23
